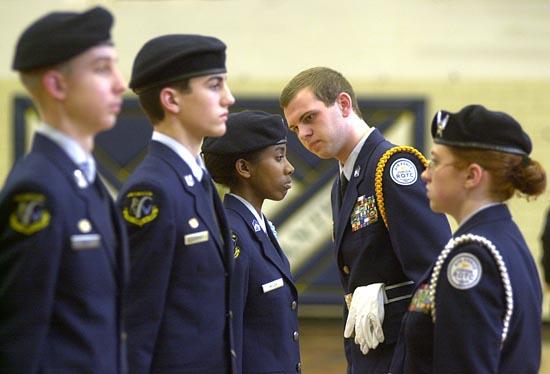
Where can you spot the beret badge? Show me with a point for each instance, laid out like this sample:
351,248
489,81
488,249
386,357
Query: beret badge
441,123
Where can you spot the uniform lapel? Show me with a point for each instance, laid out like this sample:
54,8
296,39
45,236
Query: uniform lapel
61,160
97,215
270,248
201,204
351,195
122,255
285,265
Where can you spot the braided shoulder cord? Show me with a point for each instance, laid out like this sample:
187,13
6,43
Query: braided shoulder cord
379,174
484,242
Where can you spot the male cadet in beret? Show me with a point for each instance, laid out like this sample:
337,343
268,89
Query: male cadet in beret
251,160
180,247
478,309
385,236
63,249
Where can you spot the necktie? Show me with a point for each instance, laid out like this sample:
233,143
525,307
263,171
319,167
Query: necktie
88,168
206,183
343,185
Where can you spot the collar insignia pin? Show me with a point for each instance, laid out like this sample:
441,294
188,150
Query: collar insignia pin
189,180
256,226
81,181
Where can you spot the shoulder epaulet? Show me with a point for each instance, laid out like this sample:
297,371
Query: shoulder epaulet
378,175
487,244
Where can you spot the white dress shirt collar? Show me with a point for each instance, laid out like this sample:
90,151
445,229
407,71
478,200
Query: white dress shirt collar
347,168
70,146
194,162
259,218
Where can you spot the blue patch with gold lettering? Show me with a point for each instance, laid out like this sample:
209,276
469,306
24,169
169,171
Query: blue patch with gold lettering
140,208
30,214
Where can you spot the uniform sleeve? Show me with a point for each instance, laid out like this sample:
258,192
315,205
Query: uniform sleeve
417,234
150,222
546,249
239,291
470,305
31,245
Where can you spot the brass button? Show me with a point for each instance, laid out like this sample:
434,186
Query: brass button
298,367
294,305
295,336
345,269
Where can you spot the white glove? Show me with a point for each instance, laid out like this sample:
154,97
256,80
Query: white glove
365,316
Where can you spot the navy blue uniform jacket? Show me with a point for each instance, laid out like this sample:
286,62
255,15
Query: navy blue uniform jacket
397,256
178,302
466,337
63,268
266,322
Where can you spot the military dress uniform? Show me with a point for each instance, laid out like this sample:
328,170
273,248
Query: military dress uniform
478,308
264,297
384,232
63,247
178,312
62,268
471,307
179,317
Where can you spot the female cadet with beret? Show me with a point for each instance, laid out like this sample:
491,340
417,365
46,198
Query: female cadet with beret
251,160
478,309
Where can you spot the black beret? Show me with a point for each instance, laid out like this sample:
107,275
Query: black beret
170,58
246,132
59,36
477,127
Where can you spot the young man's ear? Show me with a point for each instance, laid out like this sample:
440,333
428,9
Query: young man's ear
53,82
344,103
170,100
243,168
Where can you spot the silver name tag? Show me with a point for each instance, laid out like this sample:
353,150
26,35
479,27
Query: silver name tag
85,241
273,285
197,237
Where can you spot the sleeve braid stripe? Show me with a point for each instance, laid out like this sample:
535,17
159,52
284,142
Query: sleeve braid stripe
378,176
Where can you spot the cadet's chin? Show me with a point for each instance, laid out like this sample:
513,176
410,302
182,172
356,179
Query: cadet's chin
219,130
434,207
106,125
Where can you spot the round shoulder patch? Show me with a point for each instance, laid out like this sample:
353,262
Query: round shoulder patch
140,207
403,172
30,214
464,271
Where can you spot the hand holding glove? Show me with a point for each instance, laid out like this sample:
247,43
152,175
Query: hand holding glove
365,316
